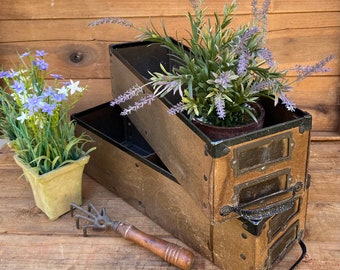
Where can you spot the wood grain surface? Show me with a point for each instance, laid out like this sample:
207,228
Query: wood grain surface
300,32
28,240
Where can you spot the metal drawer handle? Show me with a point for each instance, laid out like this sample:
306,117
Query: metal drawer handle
263,212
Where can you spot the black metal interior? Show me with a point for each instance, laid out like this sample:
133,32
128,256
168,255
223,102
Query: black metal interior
106,122
145,57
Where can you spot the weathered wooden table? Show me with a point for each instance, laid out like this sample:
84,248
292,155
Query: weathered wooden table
28,240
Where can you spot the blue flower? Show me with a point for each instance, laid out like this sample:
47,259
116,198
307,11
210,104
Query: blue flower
11,74
33,104
24,54
48,108
50,93
18,87
4,74
59,97
40,53
56,76
41,64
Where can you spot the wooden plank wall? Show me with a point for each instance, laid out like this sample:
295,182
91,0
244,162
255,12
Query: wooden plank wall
300,31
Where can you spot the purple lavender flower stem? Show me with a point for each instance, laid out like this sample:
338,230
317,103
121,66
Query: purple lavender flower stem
243,63
179,107
305,71
114,20
130,93
220,107
290,105
139,104
266,55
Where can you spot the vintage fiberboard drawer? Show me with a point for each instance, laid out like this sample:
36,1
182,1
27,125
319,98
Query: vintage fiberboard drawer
126,164
226,178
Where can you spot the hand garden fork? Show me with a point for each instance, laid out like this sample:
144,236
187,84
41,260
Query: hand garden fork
99,221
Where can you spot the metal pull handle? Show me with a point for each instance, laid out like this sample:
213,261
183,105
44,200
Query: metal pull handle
170,252
263,212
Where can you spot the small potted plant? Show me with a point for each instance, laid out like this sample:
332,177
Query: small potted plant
221,71
34,117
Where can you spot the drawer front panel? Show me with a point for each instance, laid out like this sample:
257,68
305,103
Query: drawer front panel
260,154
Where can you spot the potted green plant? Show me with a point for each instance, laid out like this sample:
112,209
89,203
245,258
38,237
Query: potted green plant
34,117
221,71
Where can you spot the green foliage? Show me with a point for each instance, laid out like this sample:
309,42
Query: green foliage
34,115
223,70
220,69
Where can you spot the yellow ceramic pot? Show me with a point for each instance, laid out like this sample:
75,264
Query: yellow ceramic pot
54,191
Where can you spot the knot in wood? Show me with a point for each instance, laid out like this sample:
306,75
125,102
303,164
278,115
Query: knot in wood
76,57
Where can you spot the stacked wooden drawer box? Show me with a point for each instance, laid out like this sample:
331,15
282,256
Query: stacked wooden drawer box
240,202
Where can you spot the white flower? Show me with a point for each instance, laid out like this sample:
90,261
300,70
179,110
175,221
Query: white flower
63,90
22,117
39,123
73,87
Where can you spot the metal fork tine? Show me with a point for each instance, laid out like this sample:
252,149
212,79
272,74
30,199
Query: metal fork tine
77,224
95,220
84,217
92,207
72,207
88,213
84,227
104,212
85,231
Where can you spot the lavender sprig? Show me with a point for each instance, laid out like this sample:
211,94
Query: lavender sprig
179,107
305,71
130,93
194,4
220,106
113,20
243,51
226,68
261,15
243,63
266,55
224,79
139,104
290,105
258,87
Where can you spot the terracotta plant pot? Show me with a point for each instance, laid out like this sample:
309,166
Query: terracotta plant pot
54,191
216,133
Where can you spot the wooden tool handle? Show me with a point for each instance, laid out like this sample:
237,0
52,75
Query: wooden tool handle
170,252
